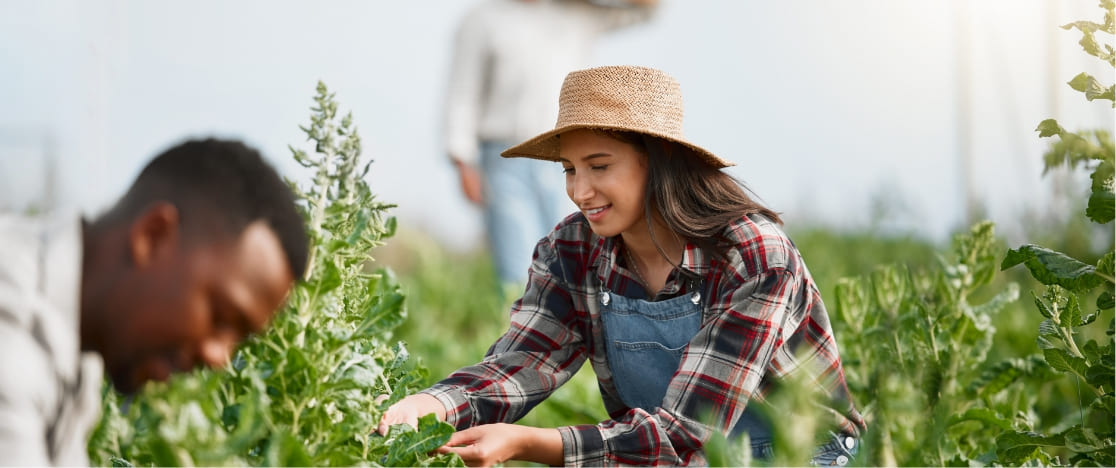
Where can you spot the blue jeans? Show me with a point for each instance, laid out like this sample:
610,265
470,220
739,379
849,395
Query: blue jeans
524,199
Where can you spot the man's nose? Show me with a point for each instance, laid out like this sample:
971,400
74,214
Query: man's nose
216,351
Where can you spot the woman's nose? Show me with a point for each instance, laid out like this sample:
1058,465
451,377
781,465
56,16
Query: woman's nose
579,189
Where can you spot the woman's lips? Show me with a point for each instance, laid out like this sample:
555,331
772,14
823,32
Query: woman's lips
595,214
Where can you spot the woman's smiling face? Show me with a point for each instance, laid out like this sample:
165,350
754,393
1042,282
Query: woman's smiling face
606,178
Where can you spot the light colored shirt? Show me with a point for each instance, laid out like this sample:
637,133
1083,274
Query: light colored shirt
764,320
49,390
510,58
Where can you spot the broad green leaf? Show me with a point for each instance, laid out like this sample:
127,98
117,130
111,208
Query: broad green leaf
983,415
1090,86
1049,127
430,435
1101,374
1051,267
1102,206
1106,300
1083,439
1083,26
1092,351
1102,176
384,314
996,378
1015,447
1105,403
327,277
1062,361
1090,318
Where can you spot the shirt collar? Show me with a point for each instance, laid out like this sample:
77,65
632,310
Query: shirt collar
695,261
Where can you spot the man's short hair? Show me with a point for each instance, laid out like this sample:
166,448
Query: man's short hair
221,185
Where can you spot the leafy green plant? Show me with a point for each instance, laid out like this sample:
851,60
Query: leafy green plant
305,391
1090,438
915,344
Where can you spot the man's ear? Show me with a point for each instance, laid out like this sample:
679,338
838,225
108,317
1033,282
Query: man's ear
155,228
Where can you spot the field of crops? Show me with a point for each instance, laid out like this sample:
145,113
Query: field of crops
969,353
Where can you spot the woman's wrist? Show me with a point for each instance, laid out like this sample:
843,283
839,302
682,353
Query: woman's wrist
428,403
541,445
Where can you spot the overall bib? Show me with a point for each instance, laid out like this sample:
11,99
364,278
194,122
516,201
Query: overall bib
644,343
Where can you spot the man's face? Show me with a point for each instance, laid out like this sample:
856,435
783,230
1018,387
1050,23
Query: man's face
191,303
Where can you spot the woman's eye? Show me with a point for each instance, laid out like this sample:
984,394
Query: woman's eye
599,168
567,170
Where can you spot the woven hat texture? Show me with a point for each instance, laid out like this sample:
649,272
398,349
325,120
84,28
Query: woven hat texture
631,98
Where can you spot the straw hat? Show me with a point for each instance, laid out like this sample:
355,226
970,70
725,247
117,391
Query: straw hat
630,98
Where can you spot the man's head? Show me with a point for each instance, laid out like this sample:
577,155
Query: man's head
200,252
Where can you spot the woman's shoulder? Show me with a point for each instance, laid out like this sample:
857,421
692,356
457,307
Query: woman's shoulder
756,243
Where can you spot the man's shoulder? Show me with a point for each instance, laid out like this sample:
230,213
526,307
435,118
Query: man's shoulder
19,267
28,247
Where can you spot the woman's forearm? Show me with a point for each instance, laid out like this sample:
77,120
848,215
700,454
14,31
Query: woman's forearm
541,445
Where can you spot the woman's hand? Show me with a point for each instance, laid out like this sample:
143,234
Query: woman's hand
490,444
409,409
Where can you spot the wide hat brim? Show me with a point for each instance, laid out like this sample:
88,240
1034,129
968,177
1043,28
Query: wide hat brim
623,98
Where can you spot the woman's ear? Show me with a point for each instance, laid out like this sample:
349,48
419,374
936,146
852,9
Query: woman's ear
154,229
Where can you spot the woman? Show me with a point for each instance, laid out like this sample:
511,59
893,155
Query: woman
685,296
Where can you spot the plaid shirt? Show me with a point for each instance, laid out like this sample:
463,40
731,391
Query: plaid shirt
764,319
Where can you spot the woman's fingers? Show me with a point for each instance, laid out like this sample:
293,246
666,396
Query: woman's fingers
399,413
465,436
483,445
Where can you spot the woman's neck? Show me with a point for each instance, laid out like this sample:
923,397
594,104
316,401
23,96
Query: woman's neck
654,256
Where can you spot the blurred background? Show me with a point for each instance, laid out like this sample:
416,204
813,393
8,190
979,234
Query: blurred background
903,117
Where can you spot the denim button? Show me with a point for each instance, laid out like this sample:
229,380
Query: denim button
842,460
605,299
850,443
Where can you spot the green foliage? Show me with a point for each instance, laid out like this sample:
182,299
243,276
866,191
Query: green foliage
304,393
915,346
1090,365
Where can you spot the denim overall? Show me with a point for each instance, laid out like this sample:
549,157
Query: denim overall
644,343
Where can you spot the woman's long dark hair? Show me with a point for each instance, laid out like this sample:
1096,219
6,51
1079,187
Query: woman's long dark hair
694,199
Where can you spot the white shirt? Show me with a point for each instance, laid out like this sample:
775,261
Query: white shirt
49,390
509,61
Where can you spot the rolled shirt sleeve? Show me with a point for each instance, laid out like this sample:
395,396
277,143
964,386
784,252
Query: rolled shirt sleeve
541,350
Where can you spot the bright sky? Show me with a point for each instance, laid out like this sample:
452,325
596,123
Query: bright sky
829,108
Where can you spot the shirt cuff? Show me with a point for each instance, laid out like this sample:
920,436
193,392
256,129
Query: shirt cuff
459,412
582,445
466,152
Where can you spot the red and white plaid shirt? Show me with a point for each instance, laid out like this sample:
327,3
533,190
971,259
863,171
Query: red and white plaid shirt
763,319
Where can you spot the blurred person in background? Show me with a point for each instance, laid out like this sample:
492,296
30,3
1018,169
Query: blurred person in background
684,294
200,252
509,59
